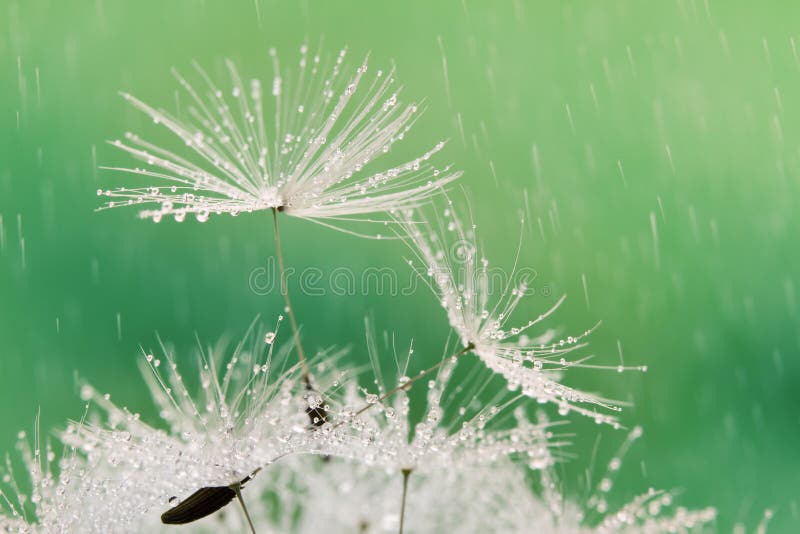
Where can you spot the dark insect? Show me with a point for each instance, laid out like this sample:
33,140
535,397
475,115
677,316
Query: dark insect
317,414
199,504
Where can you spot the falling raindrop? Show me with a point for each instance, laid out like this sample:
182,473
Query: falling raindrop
585,290
654,231
446,75
38,88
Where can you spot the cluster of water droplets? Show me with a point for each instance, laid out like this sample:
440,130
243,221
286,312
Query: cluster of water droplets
450,435
489,497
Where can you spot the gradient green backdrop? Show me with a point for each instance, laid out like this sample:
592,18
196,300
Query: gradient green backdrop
616,117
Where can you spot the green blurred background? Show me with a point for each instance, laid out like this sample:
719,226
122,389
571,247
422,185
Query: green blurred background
616,118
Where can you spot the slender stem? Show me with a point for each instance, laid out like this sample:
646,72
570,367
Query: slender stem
406,474
285,290
238,489
410,382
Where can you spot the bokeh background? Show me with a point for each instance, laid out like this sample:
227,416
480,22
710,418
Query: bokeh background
654,145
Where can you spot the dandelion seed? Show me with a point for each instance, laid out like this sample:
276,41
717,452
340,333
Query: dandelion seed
460,278
309,164
200,504
205,502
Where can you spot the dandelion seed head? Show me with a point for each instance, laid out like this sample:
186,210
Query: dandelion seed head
486,498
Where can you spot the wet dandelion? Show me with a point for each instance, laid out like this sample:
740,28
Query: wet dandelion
447,257
303,150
